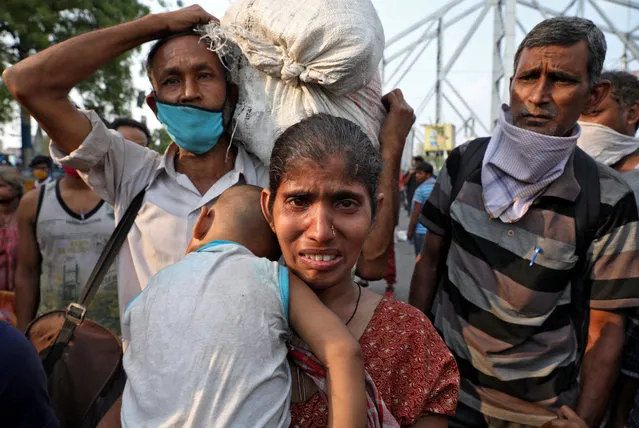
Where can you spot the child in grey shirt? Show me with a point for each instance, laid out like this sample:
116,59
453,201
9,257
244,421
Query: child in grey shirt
208,334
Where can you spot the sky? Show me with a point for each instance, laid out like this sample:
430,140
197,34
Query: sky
471,74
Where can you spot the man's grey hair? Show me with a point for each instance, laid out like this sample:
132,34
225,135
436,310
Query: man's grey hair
625,87
566,31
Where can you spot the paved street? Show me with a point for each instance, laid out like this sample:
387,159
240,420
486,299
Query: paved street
405,258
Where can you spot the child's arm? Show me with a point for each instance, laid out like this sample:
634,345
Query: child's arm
334,345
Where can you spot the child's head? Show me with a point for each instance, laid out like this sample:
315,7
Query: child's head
236,216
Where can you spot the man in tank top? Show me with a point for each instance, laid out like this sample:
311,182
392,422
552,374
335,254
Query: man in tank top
63,229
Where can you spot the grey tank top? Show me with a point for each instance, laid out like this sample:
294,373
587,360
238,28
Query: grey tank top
70,245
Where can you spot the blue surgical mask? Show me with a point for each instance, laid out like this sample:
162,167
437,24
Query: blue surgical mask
194,129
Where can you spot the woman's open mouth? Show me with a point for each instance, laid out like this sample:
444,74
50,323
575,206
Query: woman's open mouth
321,260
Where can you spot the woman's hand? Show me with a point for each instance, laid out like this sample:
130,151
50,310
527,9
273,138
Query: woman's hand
397,125
567,419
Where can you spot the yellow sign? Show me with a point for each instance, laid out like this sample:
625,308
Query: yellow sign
439,137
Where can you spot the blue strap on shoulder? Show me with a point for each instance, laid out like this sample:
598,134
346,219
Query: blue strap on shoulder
215,244
284,288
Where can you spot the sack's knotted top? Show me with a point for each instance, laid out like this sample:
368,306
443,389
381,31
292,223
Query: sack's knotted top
292,72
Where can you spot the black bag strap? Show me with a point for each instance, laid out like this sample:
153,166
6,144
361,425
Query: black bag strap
110,251
588,202
41,191
470,161
461,166
76,312
587,207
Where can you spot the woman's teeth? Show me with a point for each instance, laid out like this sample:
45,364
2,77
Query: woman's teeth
321,257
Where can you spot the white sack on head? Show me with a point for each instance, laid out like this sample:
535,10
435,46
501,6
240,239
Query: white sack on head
301,58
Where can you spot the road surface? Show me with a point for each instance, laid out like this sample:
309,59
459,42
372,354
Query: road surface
405,259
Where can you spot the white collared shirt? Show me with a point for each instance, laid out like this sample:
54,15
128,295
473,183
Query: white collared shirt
117,170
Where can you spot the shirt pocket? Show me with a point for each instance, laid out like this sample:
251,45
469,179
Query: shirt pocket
552,267
555,256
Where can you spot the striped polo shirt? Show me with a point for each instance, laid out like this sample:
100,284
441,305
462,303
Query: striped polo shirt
508,322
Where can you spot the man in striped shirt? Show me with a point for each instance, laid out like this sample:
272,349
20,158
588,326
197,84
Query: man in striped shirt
516,268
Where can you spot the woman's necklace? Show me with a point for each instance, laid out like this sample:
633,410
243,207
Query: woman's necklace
301,384
359,287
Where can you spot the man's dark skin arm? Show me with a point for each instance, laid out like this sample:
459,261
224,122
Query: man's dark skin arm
426,275
29,262
601,364
42,82
374,259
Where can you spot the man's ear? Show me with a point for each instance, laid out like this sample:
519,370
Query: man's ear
633,115
266,212
203,223
151,102
597,94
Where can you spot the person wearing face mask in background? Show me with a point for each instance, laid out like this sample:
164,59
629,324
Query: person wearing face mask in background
608,130
194,101
608,135
63,228
42,167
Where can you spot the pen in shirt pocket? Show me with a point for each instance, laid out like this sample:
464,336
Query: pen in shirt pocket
538,250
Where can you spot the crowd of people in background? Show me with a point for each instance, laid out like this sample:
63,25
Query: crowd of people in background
235,293
52,236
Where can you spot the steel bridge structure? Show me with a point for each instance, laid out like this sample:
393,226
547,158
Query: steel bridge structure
511,20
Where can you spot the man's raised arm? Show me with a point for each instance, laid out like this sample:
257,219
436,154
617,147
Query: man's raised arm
392,138
42,82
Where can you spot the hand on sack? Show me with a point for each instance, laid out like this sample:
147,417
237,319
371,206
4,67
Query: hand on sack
186,18
567,419
397,124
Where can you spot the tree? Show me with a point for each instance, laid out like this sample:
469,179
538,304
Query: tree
5,104
29,26
160,140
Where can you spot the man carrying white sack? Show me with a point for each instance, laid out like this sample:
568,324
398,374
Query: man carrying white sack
608,135
194,102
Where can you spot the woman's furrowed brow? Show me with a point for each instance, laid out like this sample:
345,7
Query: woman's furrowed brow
346,194
297,194
338,194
